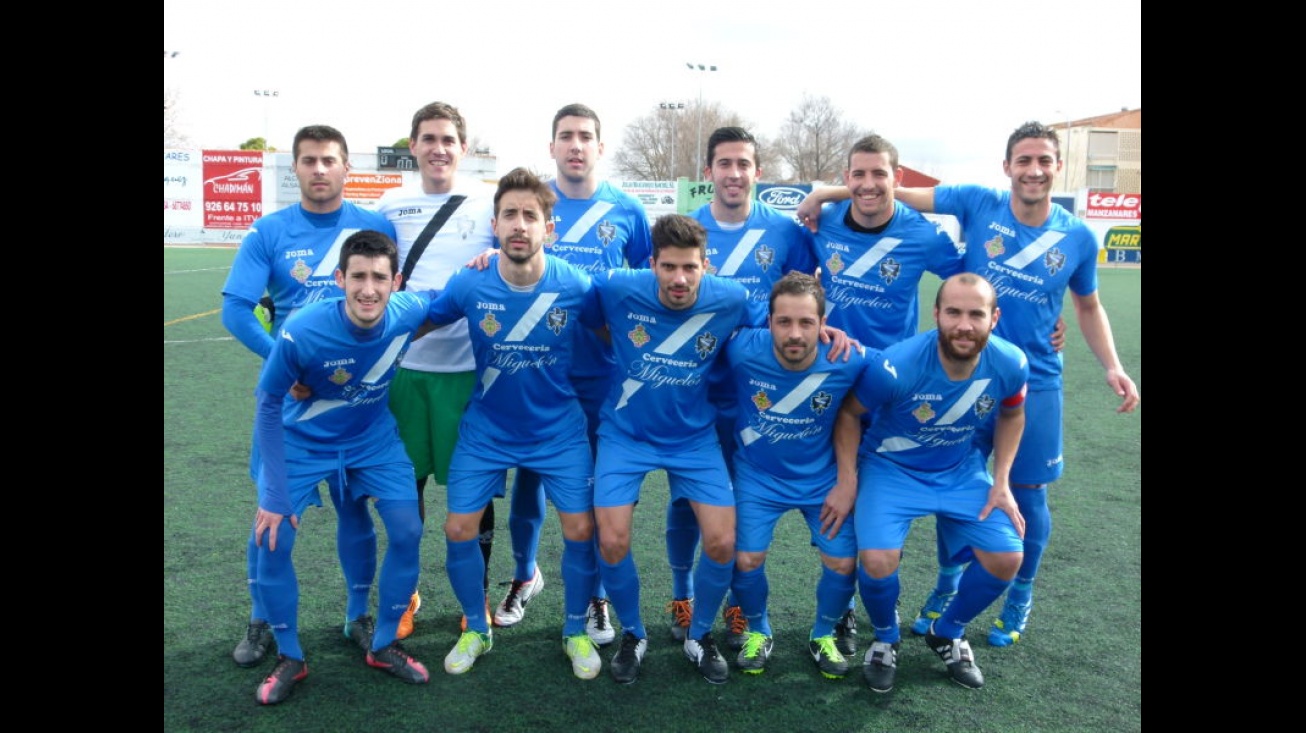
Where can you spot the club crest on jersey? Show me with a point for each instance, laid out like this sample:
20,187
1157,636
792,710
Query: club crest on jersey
705,343
923,413
762,400
821,402
301,272
1054,260
890,269
764,256
638,336
984,405
994,247
490,325
606,232
835,264
465,226
340,377
556,320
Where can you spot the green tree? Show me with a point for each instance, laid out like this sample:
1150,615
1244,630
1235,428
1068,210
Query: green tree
256,143
401,143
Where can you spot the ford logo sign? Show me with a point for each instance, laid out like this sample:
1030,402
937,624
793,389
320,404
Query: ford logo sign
782,197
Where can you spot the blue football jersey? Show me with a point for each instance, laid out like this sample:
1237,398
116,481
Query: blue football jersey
523,342
659,391
785,422
758,253
921,419
609,229
872,280
1029,267
347,368
292,254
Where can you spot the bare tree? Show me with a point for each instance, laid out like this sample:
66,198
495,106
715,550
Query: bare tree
663,145
173,137
815,140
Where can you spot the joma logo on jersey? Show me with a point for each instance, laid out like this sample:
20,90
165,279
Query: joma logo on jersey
641,317
409,212
336,362
927,396
292,254
490,306
984,405
1000,229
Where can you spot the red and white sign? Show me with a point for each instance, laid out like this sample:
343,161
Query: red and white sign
233,188
1115,206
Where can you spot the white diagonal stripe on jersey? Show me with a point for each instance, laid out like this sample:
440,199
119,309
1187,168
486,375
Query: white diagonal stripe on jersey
320,406
586,222
964,403
531,317
748,435
487,379
331,259
1034,250
893,445
628,388
686,331
872,257
740,252
799,394
382,364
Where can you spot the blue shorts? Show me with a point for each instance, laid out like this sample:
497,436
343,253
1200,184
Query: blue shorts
479,470
697,474
756,517
889,497
380,470
1039,459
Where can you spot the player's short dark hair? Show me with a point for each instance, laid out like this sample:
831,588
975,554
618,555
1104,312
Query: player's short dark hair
521,179
874,143
680,231
968,278
799,283
1036,131
321,134
369,243
731,134
578,110
439,111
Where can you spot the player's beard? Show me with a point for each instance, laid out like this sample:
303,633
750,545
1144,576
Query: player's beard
979,341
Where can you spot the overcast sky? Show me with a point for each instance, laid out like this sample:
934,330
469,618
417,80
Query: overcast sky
945,80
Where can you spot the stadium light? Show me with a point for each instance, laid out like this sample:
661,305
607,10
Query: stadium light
674,107
699,148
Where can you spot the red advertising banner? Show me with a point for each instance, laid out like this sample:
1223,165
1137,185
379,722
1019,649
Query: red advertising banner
1115,206
233,188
